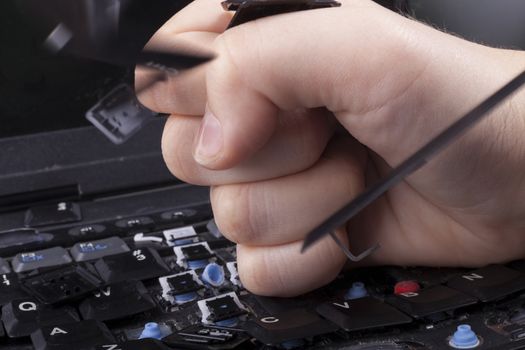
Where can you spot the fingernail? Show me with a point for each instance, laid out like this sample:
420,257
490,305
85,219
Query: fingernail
210,139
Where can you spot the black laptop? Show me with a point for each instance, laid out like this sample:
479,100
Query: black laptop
102,248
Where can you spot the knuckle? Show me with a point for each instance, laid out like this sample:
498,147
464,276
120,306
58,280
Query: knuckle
178,161
232,207
239,50
253,276
258,274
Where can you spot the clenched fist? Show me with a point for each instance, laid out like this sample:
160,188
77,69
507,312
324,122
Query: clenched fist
300,111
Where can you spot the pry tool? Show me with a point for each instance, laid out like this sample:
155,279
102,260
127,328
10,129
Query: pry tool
411,164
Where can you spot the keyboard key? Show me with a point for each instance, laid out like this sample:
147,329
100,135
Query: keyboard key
39,259
276,305
84,335
179,215
290,325
87,231
117,301
98,249
10,288
4,266
53,214
489,283
139,264
141,344
64,284
363,313
430,301
518,265
16,241
138,224
193,256
24,316
226,307
181,288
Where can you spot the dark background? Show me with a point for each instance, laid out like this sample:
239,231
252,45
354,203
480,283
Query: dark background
498,23
40,91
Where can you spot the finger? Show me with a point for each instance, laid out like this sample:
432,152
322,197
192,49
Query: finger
283,271
191,30
296,145
267,65
284,209
272,66
183,93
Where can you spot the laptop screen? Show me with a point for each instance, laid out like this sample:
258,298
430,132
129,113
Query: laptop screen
41,91
48,148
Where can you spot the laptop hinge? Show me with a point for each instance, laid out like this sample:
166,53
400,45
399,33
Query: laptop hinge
17,201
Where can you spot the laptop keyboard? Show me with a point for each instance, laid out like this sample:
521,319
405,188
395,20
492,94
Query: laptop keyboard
165,278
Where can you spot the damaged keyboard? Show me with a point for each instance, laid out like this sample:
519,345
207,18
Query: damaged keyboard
165,278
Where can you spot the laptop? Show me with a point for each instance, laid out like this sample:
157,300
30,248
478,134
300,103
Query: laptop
102,248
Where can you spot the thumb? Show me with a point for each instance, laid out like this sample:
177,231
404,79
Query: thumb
320,58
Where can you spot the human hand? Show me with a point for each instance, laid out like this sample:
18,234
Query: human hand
278,164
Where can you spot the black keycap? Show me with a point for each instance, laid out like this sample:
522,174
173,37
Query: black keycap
181,215
53,214
141,344
23,316
518,265
138,224
51,257
23,240
363,313
10,288
223,308
84,335
139,264
489,283
291,325
64,284
88,231
430,301
117,301
182,284
196,252
92,250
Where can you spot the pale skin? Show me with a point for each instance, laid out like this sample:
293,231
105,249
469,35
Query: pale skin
299,112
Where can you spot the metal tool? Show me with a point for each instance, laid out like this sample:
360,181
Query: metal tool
410,165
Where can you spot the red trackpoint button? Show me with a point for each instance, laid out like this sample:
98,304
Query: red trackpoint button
406,287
